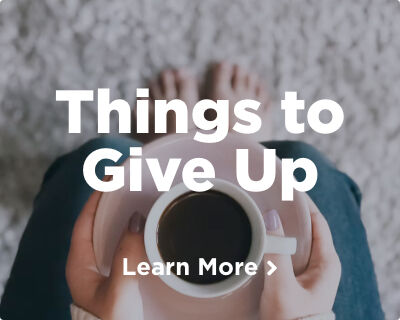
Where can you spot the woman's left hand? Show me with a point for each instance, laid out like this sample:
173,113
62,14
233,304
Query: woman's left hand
286,296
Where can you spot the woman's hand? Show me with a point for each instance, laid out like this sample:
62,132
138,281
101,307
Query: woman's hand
113,297
286,296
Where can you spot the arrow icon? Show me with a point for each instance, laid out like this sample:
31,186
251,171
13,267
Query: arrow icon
273,268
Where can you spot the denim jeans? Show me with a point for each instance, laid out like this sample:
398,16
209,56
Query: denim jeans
37,288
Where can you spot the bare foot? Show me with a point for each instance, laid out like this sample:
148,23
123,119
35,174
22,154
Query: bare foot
170,85
234,83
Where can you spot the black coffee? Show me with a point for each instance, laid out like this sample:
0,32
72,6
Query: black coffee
204,225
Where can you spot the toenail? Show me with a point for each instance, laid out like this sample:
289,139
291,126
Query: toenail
182,73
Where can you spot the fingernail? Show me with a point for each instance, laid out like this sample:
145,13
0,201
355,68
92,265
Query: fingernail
136,223
272,220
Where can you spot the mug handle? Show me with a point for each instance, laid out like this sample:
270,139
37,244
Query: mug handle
280,245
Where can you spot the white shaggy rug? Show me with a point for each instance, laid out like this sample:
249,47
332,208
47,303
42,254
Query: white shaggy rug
348,51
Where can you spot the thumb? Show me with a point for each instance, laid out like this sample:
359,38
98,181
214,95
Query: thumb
130,248
284,272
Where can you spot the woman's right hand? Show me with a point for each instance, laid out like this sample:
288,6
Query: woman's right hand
286,296
113,297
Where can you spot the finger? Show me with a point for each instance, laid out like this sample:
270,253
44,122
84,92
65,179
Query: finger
323,271
323,249
322,243
81,270
81,241
311,204
82,234
131,248
284,273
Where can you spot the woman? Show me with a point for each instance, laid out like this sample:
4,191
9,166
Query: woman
38,288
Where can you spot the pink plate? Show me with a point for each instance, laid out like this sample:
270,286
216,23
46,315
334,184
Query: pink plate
115,209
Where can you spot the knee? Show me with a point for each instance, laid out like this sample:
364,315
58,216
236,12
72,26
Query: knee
328,174
114,142
76,158
299,149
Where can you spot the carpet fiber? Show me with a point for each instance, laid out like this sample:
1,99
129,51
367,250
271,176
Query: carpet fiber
348,51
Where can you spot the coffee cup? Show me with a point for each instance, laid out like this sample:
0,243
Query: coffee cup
181,222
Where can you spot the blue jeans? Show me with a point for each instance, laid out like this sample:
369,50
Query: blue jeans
37,287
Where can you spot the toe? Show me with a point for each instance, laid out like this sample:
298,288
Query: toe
239,78
261,92
222,74
168,84
185,82
187,86
252,82
156,92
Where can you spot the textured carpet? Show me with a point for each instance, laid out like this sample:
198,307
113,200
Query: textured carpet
348,51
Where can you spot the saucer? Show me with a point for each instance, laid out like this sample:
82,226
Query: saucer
115,209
